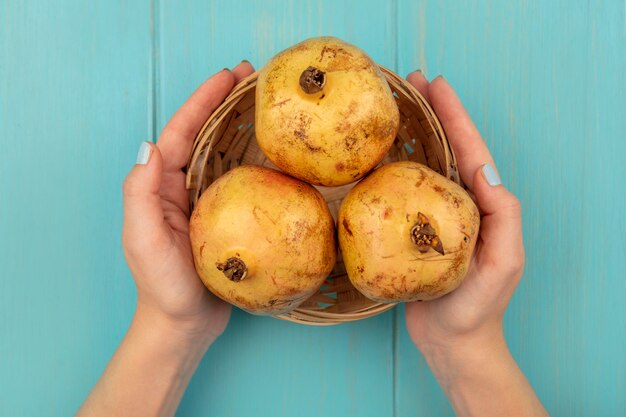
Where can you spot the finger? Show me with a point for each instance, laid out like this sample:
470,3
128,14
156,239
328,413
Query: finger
177,137
465,139
143,213
242,70
419,81
501,224
173,191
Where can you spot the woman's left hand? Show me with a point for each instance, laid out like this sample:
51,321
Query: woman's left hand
156,215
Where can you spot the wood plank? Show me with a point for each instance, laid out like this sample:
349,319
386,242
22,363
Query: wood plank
74,108
545,83
262,366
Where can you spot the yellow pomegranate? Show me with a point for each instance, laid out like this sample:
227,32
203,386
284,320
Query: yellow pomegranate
324,112
407,233
262,240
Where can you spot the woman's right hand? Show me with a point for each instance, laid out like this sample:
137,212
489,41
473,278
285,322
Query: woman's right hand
476,308
460,334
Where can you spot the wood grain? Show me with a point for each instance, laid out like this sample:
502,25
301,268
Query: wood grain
546,84
264,366
83,83
73,111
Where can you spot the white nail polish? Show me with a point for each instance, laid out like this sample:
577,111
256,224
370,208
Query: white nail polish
143,156
490,175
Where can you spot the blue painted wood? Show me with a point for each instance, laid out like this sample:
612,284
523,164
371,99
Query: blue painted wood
73,111
198,38
546,85
264,366
82,83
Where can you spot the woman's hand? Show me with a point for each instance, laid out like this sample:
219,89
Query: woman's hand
156,218
176,318
478,305
460,334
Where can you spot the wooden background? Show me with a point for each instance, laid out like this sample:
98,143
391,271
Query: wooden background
82,83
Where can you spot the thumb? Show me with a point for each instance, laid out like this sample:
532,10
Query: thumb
501,224
143,213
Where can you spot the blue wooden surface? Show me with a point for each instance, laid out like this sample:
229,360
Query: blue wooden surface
83,83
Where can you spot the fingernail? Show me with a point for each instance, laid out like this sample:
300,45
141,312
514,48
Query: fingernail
225,69
143,156
245,61
490,175
440,77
